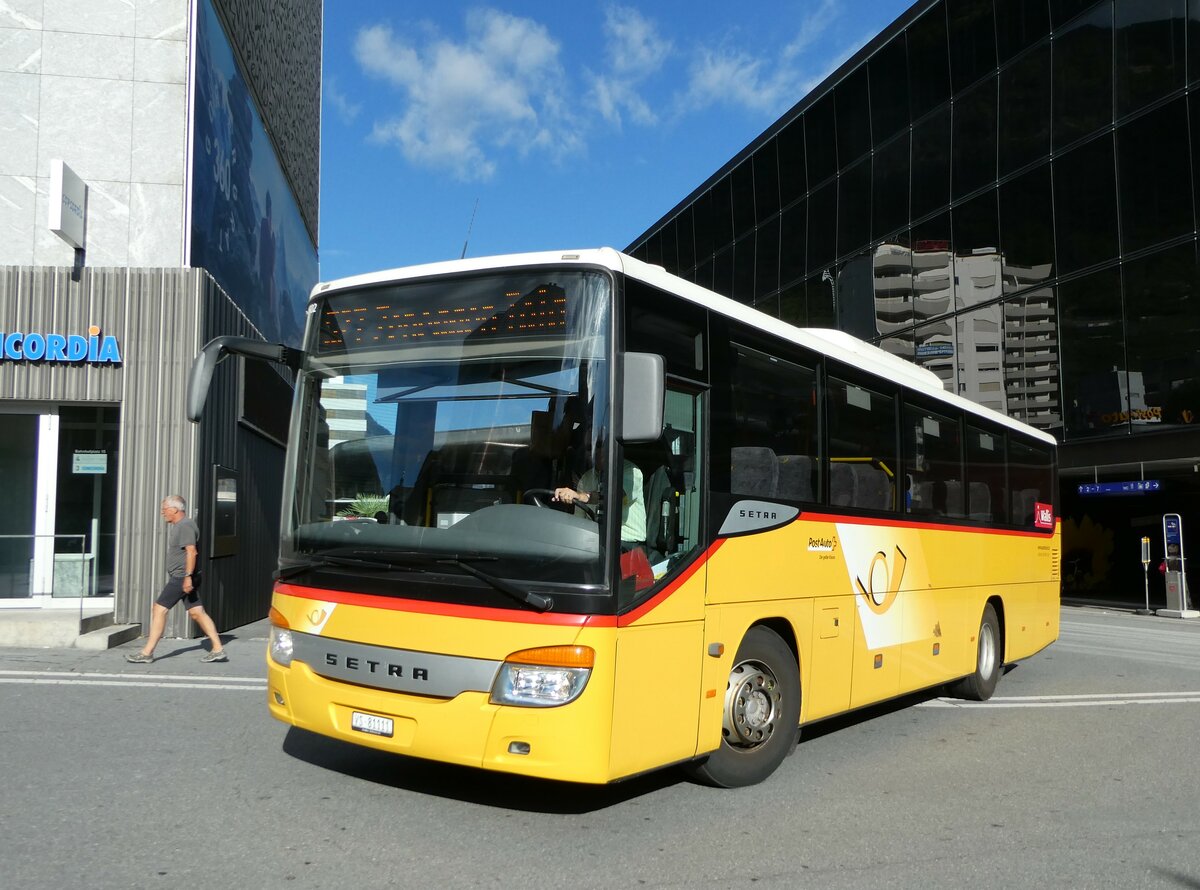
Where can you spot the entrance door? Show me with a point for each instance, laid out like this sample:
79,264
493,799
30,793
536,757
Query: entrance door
18,469
85,501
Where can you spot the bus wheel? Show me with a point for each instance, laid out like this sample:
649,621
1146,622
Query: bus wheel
762,711
989,661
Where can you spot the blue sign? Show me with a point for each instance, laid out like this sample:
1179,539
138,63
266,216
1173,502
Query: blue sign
1171,529
1140,486
69,348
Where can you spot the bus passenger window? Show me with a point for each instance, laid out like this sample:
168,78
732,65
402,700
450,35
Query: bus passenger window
862,447
986,489
1030,479
932,464
773,440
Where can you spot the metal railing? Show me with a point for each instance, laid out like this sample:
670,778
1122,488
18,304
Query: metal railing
49,570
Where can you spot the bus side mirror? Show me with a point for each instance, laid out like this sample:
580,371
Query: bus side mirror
644,387
216,349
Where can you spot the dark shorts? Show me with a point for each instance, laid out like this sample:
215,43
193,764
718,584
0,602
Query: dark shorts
172,593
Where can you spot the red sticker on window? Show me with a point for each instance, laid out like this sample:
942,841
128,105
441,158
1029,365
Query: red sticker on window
1043,515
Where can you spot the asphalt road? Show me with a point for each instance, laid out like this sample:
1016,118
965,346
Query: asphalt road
1081,772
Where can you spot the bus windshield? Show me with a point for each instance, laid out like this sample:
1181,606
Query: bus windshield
436,418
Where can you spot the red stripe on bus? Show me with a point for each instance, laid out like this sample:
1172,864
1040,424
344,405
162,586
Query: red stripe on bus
423,607
660,597
902,523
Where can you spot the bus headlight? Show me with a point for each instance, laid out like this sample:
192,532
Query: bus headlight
544,677
280,646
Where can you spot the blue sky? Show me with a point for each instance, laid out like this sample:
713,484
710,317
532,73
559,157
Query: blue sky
572,125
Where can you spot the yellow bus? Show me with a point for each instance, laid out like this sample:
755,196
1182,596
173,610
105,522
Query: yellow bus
569,516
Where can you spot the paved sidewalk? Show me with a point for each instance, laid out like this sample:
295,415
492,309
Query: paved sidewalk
246,645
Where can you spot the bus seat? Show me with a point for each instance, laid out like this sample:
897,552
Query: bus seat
841,484
872,488
1022,505
980,500
954,498
795,477
922,497
753,471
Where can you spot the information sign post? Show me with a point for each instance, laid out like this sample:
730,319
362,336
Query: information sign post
1175,575
1146,576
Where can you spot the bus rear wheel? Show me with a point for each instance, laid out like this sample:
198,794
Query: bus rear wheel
761,713
989,661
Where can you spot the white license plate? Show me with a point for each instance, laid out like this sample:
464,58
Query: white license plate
371,723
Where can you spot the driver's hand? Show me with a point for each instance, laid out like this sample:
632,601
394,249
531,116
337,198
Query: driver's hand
569,496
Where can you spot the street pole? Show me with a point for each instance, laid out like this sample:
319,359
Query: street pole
1146,575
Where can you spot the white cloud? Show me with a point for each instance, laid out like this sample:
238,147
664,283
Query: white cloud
764,82
345,109
634,52
464,101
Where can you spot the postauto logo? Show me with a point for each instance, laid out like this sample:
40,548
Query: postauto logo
19,347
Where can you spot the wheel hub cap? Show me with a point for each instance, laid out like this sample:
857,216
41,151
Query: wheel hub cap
752,705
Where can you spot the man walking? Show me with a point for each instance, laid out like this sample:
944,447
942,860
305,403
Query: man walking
182,537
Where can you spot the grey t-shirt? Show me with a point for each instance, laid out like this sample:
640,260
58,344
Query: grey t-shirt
179,535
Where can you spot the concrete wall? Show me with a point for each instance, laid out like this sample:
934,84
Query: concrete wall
100,84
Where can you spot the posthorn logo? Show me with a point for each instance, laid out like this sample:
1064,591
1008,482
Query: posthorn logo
60,348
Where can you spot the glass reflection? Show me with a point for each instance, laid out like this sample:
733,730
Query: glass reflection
980,342
1031,359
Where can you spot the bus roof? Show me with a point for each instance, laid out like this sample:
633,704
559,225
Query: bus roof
827,341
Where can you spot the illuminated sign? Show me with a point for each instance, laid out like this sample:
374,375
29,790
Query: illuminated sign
1140,486
67,348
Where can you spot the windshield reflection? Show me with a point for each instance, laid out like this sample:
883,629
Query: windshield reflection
438,418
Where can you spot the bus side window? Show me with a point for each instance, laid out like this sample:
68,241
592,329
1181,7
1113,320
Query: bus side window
773,437
1030,479
671,481
987,500
862,440
933,463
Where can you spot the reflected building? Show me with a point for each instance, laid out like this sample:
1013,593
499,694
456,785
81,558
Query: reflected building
1004,192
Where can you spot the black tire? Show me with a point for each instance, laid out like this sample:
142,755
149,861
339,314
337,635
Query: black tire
761,713
989,661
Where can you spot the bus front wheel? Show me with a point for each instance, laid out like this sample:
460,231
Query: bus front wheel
989,661
761,713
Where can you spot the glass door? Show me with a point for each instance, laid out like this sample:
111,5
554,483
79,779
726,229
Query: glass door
85,501
18,469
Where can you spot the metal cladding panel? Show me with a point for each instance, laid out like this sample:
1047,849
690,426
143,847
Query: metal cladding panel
237,588
158,446
47,300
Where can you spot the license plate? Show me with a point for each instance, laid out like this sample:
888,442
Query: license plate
371,723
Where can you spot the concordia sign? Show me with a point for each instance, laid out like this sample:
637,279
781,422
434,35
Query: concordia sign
19,347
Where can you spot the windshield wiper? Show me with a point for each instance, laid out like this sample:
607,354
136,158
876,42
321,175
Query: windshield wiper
326,560
528,597
398,559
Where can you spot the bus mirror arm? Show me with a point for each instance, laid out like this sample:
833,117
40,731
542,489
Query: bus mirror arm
200,376
643,390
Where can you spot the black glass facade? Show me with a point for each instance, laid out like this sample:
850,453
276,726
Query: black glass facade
1005,192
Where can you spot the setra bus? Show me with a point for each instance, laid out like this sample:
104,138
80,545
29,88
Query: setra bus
569,516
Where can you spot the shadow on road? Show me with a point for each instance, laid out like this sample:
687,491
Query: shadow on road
466,784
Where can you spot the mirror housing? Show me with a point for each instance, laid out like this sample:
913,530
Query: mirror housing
200,376
643,390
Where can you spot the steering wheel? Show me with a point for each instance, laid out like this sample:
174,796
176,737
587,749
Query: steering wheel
536,495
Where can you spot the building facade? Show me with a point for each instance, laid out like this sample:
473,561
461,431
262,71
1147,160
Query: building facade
195,127
1004,192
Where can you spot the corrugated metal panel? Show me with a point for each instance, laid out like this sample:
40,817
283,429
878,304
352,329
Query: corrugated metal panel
161,318
158,446
238,587
46,300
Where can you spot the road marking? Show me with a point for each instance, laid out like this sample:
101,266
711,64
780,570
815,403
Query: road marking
1071,701
157,681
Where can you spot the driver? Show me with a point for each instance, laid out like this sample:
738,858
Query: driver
633,502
